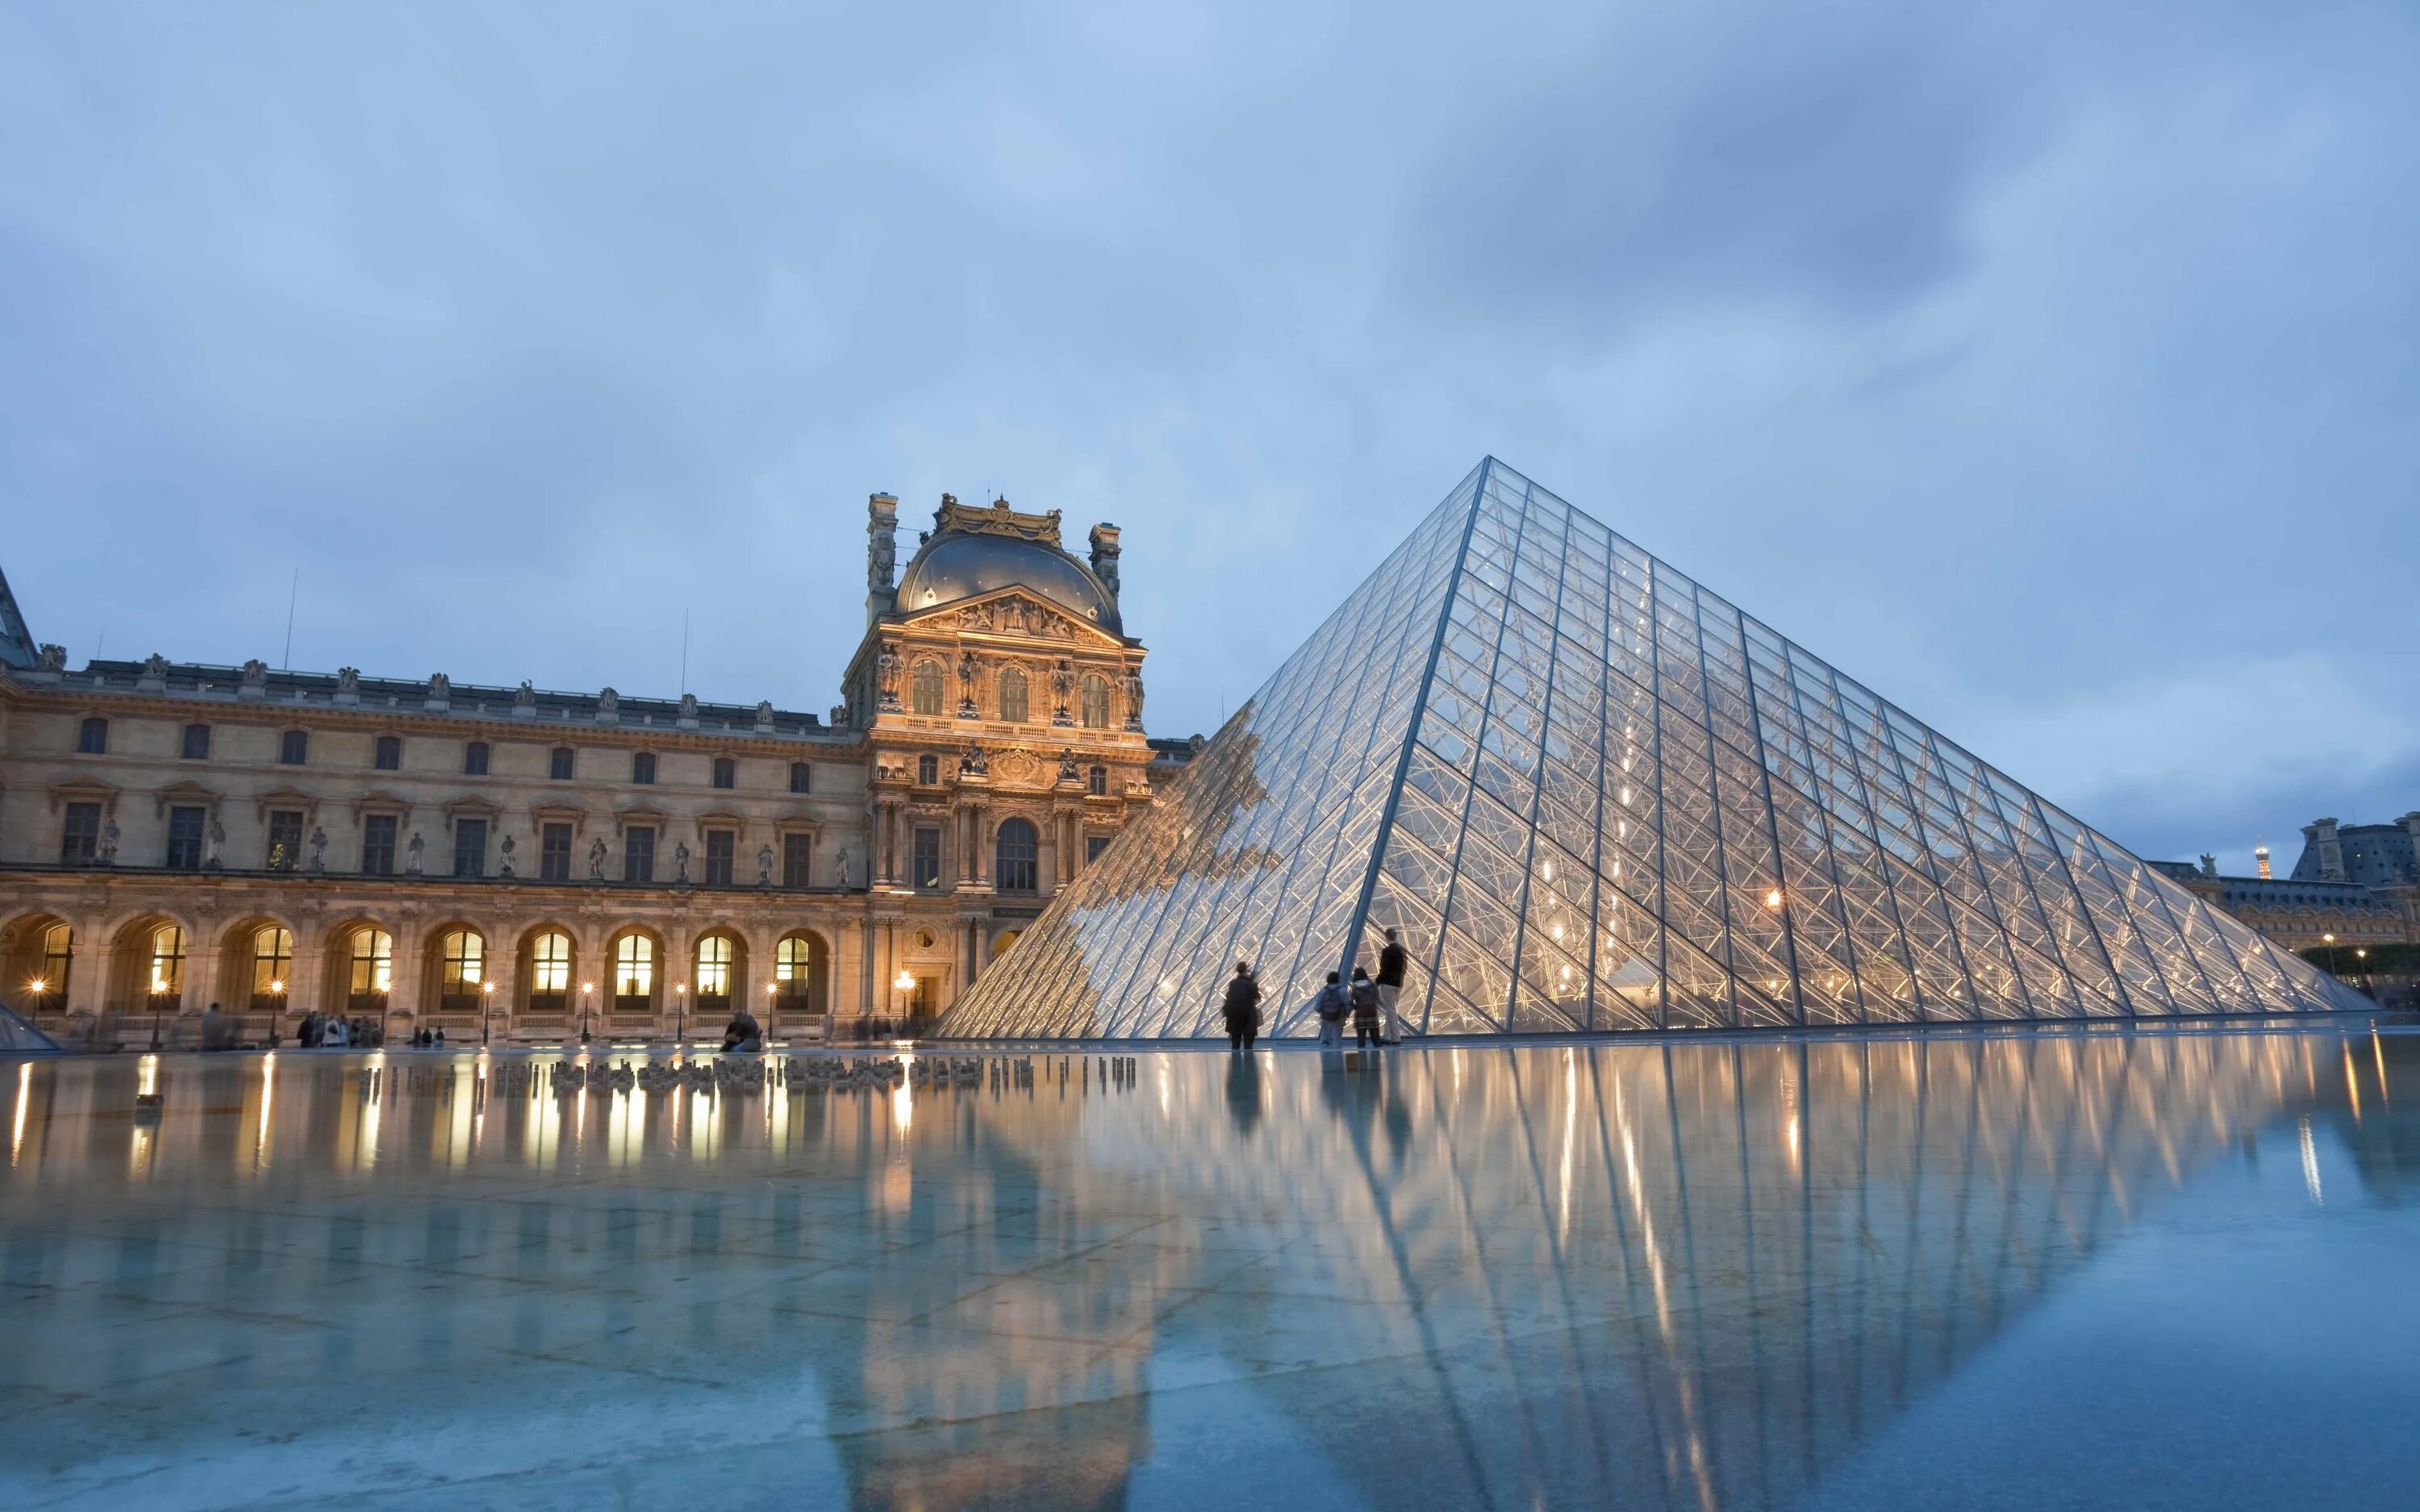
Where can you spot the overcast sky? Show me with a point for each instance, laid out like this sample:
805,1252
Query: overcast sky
2053,369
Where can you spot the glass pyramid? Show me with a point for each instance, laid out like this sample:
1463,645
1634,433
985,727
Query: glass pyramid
1595,797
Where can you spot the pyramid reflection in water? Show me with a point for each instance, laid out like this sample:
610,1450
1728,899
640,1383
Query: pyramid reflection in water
1595,796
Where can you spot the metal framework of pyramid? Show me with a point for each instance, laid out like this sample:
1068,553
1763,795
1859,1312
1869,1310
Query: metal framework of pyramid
1595,797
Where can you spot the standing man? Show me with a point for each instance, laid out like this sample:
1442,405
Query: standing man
1392,961
1242,1008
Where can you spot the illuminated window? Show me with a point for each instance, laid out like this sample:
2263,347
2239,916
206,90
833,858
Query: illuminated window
59,959
372,962
634,974
714,972
796,966
462,959
1095,702
924,689
1018,858
273,966
1012,695
550,972
168,962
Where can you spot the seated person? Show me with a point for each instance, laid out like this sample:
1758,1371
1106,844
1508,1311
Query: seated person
742,1032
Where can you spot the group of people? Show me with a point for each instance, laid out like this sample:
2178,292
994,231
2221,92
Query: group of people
1370,1004
331,1031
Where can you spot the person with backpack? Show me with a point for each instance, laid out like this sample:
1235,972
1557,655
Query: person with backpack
1331,1006
1365,1010
1242,1008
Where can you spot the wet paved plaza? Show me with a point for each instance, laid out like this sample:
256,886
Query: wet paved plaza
2040,1269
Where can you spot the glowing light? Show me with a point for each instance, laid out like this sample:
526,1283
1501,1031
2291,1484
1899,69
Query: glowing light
38,986
1773,899
277,986
905,981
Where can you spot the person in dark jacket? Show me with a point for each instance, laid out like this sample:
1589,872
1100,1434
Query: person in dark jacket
1330,1007
1365,1010
1391,962
744,1033
1242,1008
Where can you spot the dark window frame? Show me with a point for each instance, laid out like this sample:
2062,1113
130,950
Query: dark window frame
378,834
92,736
802,777
188,832
471,847
560,763
1016,863
294,748
193,749
726,772
386,754
721,856
924,856
475,756
643,768
80,835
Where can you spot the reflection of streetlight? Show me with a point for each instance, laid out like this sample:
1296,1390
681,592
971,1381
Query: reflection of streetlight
158,997
486,1010
587,992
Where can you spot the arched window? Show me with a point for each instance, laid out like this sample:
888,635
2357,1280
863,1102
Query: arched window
92,737
462,962
372,975
550,972
1097,701
1096,781
1016,868
273,966
924,689
928,770
1012,695
388,757
634,974
714,974
48,990
474,759
798,975
168,962
726,772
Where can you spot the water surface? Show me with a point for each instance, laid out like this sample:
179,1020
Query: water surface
2123,1270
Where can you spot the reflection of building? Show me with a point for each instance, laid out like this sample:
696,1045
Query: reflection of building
1593,795
172,833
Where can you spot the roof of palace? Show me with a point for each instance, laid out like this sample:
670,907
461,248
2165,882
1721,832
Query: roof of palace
16,641
971,551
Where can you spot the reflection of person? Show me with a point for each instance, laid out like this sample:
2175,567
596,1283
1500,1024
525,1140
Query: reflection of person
1330,1006
1391,962
742,1032
1365,1010
1242,1008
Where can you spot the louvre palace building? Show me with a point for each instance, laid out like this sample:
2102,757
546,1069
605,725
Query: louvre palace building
526,865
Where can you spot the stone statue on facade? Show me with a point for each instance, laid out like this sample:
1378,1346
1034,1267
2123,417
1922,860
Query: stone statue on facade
596,860
609,704
412,852
886,677
108,852
965,685
51,658
973,762
1134,698
348,679
440,688
680,863
765,866
319,849
840,866
1063,688
839,718
1067,772
255,672
525,696
218,842
764,714
688,707
504,867
156,665
881,553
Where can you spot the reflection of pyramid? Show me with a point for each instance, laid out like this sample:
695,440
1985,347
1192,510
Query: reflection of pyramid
1595,796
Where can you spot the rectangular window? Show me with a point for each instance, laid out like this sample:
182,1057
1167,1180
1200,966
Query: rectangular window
1094,846
802,777
474,759
198,742
377,844
726,772
638,855
798,858
643,768
284,851
719,845
470,847
185,838
92,737
388,756
79,840
928,857
554,854
293,747
558,765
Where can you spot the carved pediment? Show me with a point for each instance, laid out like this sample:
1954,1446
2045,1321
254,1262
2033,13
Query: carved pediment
288,797
1012,613
381,800
187,793
85,790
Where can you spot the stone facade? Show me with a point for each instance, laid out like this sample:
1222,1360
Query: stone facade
525,864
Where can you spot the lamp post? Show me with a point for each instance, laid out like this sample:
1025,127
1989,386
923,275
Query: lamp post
2330,941
158,993
487,1011
587,992
2362,955
770,998
276,1008
904,983
382,1002
680,1014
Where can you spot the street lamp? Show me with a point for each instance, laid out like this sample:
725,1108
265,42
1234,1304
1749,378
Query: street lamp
486,1010
2362,956
904,983
2330,941
587,992
680,1014
159,995
770,998
276,1007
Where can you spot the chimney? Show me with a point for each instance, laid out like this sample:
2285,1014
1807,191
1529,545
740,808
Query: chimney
1105,556
2260,859
881,554
2320,845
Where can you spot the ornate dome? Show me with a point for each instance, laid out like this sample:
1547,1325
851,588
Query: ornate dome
958,564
